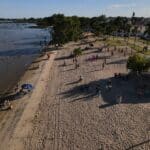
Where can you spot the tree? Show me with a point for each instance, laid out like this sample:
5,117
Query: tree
138,63
148,29
65,29
147,34
77,52
98,25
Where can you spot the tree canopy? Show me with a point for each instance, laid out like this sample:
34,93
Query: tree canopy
70,28
138,63
77,52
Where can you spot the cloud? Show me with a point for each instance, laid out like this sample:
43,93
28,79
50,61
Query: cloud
114,6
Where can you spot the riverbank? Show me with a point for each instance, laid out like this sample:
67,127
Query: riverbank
10,119
19,46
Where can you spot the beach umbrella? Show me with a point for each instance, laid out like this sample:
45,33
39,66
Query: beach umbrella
27,87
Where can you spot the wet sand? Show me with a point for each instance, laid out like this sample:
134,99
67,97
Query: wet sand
65,114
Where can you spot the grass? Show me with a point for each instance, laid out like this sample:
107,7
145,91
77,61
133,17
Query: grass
137,48
120,42
115,42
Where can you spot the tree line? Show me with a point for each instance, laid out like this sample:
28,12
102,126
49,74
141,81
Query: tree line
70,28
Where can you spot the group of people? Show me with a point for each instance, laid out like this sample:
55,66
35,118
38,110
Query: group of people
93,58
6,105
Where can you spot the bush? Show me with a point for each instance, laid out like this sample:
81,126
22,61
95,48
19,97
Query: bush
138,63
77,52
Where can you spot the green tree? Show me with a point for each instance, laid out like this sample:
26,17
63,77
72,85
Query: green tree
138,63
65,29
98,25
77,52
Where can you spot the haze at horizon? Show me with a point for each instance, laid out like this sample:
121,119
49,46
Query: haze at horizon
89,8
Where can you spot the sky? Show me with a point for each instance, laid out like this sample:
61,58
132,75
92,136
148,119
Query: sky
89,8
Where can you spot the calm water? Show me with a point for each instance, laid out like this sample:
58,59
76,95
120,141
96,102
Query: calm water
19,46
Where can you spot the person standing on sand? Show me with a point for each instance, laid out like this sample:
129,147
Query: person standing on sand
119,99
48,56
103,65
99,93
80,79
105,61
64,63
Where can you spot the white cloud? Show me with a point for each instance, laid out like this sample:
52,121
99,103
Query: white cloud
121,6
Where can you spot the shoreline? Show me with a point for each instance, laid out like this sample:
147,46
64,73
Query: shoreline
32,106
32,66
19,105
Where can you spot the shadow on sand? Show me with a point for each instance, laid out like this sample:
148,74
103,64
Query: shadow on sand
137,145
127,89
122,61
64,57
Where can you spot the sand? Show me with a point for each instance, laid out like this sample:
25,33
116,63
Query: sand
64,114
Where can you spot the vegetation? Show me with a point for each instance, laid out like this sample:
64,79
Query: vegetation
65,29
77,52
138,63
70,28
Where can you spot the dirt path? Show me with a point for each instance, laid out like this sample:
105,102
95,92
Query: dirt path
70,116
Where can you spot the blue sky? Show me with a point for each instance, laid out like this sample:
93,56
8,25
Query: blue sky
42,8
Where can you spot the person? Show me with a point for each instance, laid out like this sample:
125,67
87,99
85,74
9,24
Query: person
64,63
97,56
119,99
108,49
109,85
99,93
124,54
48,56
8,105
16,88
80,79
105,61
76,65
103,65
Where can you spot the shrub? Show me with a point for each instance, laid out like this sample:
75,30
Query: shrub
77,52
138,63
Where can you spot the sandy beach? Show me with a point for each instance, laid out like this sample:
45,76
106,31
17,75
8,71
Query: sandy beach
65,114
9,119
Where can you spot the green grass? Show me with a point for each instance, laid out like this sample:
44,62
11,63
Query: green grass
137,48
115,42
120,42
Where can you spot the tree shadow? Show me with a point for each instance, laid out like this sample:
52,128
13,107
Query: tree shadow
68,70
127,89
137,145
74,82
122,61
64,57
62,65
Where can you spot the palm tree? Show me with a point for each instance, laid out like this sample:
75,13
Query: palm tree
77,52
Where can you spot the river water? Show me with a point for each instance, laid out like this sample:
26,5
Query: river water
19,46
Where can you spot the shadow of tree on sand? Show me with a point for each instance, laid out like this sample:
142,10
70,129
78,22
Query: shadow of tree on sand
138,145
64,57
120,87
122,61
